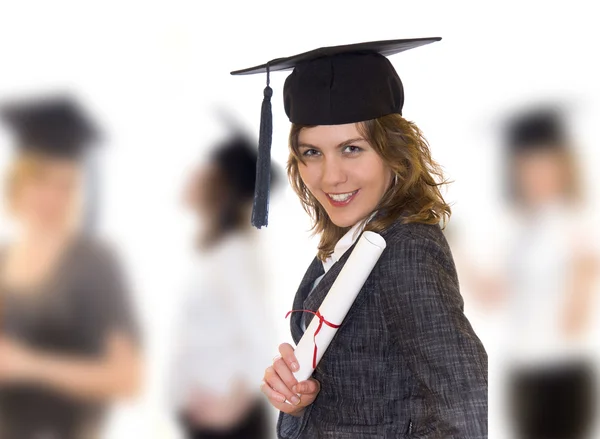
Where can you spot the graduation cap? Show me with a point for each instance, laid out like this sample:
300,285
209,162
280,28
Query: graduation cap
236,156
541,128
329,86
54,126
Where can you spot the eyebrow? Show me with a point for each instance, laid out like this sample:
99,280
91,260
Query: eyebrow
340,145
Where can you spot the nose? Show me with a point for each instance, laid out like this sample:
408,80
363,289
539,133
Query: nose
333,172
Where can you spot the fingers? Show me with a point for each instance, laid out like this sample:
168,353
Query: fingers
277,400
273,379
308,387
287,353
284,372
282,388
274,396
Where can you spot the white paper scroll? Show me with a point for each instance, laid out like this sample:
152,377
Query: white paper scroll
338,301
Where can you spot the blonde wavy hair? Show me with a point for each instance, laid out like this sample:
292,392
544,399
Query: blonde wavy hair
414,195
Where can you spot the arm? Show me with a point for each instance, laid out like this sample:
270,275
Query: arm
107,315
116,374
578,307
423,311
482,272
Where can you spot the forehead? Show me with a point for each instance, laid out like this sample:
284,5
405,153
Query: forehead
63,167
539,153
328,135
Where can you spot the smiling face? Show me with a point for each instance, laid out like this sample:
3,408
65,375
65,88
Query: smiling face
342,171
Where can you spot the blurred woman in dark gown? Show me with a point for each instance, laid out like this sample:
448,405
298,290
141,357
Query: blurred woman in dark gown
68,341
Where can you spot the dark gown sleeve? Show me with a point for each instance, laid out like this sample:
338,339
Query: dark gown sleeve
111,300
423,310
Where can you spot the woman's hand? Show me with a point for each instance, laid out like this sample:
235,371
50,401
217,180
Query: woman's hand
17,361
285,393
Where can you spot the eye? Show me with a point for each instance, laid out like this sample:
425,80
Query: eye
309,152
352,149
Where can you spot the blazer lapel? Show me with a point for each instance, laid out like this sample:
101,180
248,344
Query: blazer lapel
312,300
314,271
316,297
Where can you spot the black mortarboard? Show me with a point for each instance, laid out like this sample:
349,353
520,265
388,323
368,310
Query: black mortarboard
329,86
55,126
236,158
536,129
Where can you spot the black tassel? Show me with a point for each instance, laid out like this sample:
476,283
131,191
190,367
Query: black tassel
260,207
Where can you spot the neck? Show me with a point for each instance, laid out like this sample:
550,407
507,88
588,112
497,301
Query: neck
40,238
547,204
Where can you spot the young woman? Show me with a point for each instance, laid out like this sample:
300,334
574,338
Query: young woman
68,342
405,361
221,343
551,277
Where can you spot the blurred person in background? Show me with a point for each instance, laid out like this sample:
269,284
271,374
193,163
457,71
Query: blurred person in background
225,331
68,340
552,269
545,282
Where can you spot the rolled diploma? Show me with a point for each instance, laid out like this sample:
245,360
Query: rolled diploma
338,301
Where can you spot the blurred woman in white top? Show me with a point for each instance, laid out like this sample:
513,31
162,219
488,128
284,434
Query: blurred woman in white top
225,329
547,282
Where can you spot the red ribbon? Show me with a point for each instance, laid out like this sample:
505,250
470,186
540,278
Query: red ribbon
321,321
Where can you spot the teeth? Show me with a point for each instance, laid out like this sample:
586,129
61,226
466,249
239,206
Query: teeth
341,197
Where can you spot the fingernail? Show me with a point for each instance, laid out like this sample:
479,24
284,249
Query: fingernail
295,400
295,388
295,366
281,398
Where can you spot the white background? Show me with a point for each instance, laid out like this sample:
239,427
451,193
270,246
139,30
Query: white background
151,72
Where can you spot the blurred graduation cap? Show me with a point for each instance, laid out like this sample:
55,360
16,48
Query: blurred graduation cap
236,156
539,128
55,126
329,86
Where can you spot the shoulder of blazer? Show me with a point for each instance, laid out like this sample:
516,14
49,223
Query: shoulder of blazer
399,231
428,236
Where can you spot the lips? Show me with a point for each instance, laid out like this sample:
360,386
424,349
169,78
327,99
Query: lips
341,199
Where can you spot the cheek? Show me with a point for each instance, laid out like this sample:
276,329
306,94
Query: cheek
556,175
28,198
29,202
374,174
66,197
55,199
310,175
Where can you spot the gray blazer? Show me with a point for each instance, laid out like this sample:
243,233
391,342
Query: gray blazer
405,362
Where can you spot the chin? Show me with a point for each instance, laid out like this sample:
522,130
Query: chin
343,220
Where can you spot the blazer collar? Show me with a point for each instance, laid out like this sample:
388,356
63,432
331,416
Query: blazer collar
314,271
316,297
311,300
